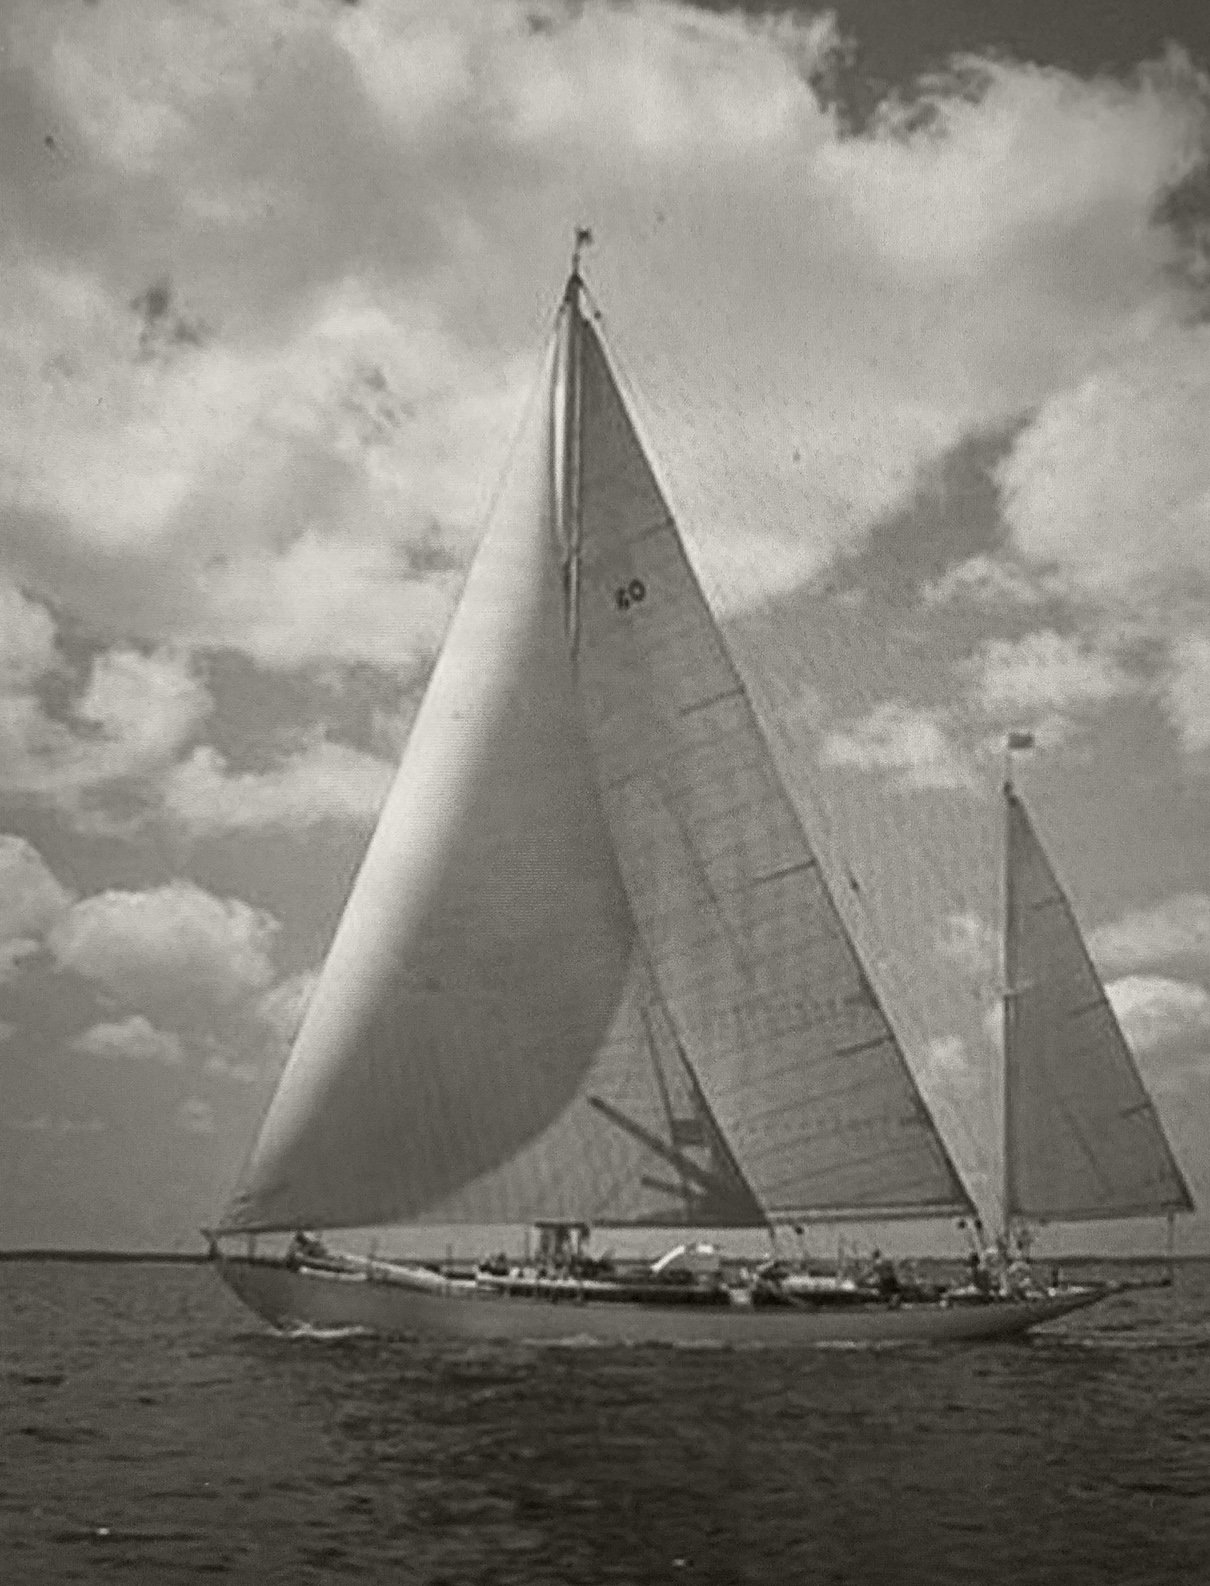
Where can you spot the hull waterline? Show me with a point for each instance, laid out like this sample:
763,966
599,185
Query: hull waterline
290,1300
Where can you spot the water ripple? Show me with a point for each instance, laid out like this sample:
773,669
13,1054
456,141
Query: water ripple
162,1439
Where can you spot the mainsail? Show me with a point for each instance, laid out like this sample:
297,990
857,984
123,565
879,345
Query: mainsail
590,968
1082,1138
752,958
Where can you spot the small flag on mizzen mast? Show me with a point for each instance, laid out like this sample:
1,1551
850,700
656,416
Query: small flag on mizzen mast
1020,740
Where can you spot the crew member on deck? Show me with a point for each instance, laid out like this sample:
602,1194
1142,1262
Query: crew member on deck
886,1279
980,1273
995,1262
1019,1279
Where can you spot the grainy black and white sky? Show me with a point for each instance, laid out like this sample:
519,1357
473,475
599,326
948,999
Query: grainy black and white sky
913,300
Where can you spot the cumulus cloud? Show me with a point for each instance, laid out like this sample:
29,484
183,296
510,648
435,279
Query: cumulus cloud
162,947
1044,672
1110,486
133,714
259,383
27,639
376,293
325,782
988,581
1111,481
1179,927
268,503
146,703
1155,1011
257,1045
108,447
32,901
135,1038
325,600
1188,691
896,737
281,1008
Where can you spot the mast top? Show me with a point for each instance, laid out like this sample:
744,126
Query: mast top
583,239
1014,743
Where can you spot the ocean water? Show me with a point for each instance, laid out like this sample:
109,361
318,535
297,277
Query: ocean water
152,1431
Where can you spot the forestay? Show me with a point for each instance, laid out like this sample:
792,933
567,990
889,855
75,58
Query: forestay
1082,1137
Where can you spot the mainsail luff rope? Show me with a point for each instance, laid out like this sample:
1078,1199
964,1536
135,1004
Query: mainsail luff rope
571,526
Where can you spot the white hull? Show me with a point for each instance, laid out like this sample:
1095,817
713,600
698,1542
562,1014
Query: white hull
290,1299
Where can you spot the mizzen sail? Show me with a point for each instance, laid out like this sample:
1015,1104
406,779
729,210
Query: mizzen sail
1082,1138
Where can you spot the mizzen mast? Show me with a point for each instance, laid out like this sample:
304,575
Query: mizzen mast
1015,742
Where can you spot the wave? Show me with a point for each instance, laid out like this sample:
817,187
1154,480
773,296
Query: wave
310,1332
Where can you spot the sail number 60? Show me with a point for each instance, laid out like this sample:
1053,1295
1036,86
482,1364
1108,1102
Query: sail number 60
630,594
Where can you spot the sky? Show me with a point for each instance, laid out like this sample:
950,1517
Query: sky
912,302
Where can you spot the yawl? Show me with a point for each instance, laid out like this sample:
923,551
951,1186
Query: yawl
592,973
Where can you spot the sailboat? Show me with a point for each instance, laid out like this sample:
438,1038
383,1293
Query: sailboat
591,974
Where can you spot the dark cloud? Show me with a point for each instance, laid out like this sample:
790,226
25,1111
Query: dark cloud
1185,210
896,40
952,516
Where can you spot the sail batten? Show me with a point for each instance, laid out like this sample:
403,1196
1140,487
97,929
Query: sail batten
1082,1138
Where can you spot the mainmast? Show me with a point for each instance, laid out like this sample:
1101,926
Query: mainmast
570,512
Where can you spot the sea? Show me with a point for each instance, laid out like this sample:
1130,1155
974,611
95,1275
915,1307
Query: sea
152,1431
